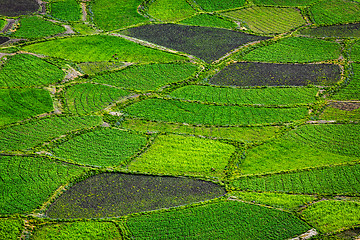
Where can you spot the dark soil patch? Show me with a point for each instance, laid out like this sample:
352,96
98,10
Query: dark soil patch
14,8
345,30
206,43
116,194
4,39
347,106
270,74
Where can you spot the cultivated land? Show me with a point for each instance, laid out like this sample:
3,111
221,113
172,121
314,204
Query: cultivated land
179,119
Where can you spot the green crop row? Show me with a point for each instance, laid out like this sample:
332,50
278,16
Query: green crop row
170,10
65,10
208,20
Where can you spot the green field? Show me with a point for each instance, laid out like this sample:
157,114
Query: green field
65,10
224,220
285,2
19,104
35,27
170,10
355,52
23,70
147,77
351,90
3,23
263,96
104,147
87,98
332,113
81,49
268,20
97,67
10,229
28,181
208,20
214,5
298,50
31,134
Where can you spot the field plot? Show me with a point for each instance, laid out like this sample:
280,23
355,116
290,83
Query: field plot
268,19
78,230
196,113
296,50
10,229
170,10
329,216
65,10
352,90
341,31
27,70
116,194
86,98
264,96
342,111
36,27
209,20
206,43
19,104
178,155
101,48
246,134
355,52
13,8
307,146
147,77
125,15
104,147
31,134
97,67
224,220
285,2
214,5
335,12
268,74
27,182
3,23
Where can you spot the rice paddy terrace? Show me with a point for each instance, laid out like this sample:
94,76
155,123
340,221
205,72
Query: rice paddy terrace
177,119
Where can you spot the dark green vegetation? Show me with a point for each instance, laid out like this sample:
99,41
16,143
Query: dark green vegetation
100,48
13,8
66,10
224,220
113,194
27,182
196,113
19,104
10,229
213,5
352,90
87,98
208,44
78,230
355,52
267,74
104,147
147,77
208,20
35,27
26,70
345,30
33,133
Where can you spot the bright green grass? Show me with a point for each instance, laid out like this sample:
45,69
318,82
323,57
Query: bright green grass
278,200
78,230
335,11
293,3
65,10
19,104
86,98
116,14
35,27
27,182
224,220
147,77
352,90
27,70
268,19
196,113
100,48
331,113
307,146
10,229
170,10
296,49
266,96
178,155
3,23
83,28
97,67
355,52
215,5
245,134
329,216
208,20
31,134
339,180
104,147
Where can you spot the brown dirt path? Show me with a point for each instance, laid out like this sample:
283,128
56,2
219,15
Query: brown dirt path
84,13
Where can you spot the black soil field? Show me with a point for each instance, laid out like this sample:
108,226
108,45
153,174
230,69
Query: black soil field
209,44
270,74
4,39
116,194
345,30
14,8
